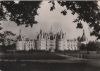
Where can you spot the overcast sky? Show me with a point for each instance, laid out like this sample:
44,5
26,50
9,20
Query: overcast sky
47,19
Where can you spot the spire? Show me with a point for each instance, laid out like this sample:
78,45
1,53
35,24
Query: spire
51,34
83,38
51,29
40,34
20,32
20,37
41,31
61,34
83,32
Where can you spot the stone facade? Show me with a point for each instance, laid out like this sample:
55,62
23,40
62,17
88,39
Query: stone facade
24,44
48,42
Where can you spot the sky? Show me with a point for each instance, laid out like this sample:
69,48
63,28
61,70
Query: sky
47,19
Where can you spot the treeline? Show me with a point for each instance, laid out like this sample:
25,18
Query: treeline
4,48
91,46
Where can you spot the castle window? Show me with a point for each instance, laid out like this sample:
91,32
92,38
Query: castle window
51,37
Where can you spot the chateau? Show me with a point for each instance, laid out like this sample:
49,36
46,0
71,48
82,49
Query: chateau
47,42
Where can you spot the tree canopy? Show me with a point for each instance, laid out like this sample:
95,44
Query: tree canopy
25,11
22,13
91,46
88,11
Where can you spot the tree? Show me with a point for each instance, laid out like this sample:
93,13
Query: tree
7,40
1,38
22,13
88,11
8,33
25,12
8,37
92,46
82,47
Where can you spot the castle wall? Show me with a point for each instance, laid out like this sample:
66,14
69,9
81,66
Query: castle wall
51,45
48,42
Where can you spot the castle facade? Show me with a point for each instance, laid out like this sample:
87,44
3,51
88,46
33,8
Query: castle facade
48,42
